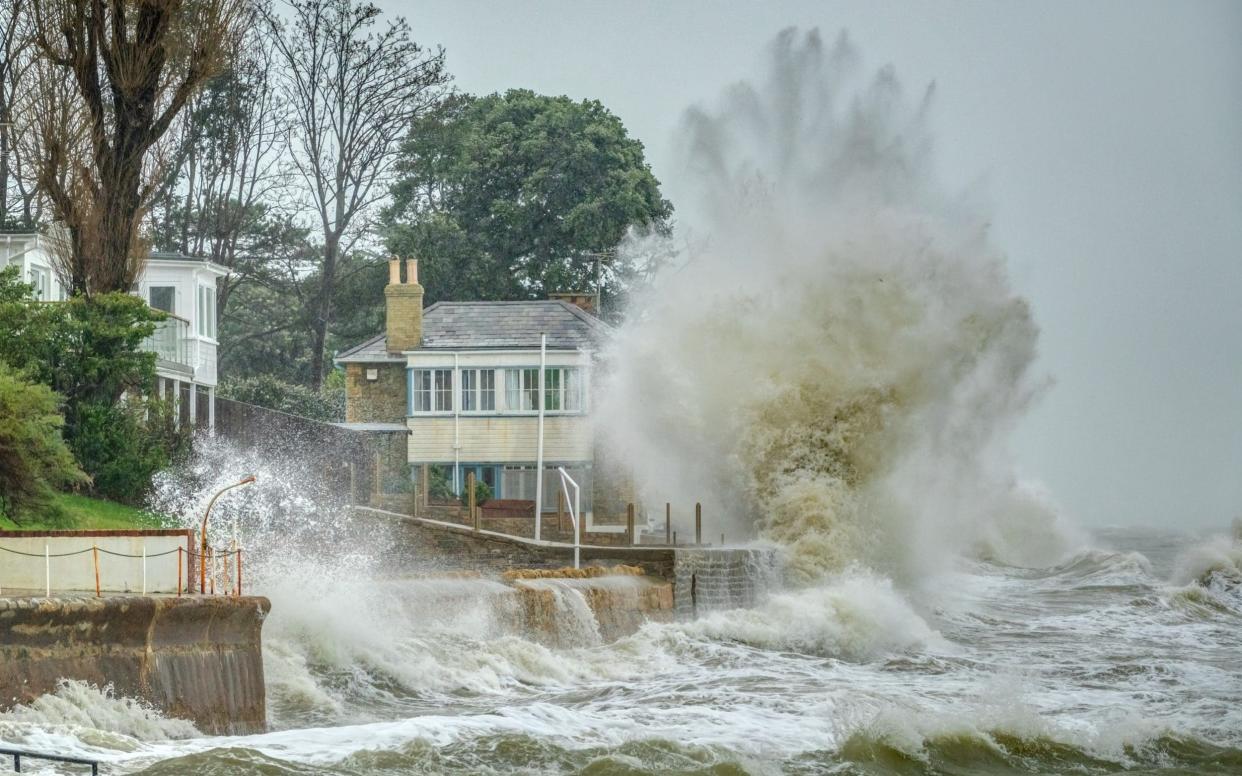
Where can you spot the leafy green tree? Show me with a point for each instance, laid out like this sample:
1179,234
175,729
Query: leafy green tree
514,195
85,349
33,457
89,351
271,392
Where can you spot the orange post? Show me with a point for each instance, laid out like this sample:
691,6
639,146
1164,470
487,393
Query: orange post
95,552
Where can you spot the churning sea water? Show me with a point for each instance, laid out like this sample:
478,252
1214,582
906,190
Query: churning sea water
1119,659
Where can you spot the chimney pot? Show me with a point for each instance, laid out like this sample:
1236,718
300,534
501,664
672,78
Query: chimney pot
394,272
411,271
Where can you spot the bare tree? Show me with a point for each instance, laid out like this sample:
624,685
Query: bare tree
230,163
354,90
133,65
18,194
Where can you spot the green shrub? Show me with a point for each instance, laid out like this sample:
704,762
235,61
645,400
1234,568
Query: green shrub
33,455
123,445
482,494
276,394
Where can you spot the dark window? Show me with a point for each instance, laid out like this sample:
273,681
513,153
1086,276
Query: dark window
162,298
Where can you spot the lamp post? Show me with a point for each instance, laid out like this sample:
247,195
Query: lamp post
202,558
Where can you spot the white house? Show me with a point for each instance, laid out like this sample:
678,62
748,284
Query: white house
460,382
184,344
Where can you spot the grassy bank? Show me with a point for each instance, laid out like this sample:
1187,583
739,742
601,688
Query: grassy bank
83,512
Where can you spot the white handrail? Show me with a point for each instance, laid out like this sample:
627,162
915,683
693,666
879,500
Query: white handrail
574,509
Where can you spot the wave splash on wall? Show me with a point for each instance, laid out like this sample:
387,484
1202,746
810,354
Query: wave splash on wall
836,356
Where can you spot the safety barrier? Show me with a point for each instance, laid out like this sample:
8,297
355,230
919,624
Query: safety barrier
222,566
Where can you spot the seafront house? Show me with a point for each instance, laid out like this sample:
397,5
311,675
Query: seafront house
184,344
459,383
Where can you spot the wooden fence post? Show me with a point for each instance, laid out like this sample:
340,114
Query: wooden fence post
698,523
629,521
560,512
474,510
425,476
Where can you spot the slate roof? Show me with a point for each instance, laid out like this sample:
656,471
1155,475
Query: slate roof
492,326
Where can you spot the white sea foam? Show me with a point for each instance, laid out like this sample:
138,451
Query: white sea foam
93,715
838,363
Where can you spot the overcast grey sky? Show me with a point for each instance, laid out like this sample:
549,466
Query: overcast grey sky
1107,137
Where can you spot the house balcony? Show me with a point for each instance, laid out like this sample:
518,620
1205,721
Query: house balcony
171,344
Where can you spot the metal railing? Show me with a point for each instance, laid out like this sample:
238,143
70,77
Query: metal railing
18,754
223,566
575,509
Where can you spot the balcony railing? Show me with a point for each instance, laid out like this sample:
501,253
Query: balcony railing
171,341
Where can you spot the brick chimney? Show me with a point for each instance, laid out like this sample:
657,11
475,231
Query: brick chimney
403,307
577,299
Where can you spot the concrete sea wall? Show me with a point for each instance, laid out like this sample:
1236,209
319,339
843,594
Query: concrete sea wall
707,580
197,658
70,562
620,600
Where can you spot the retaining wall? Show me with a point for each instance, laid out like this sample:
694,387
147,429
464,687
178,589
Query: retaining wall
432,545
703,578
24,565
713,579
197,658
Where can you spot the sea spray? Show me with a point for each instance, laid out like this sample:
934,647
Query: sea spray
837,363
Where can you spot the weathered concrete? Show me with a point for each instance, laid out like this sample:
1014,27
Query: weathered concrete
70,563
434,545
712,579
703,578
621,600
194,657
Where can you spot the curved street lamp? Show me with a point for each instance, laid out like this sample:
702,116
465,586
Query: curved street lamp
202,558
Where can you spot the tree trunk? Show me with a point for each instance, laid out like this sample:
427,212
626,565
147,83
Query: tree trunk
323,312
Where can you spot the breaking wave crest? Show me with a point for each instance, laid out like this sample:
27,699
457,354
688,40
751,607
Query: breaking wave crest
93,715
838,363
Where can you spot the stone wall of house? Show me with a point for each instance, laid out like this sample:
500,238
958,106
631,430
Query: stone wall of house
375,401
192,657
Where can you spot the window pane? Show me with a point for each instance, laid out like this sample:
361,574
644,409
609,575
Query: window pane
211,313
552,389
444,390
530,389
469,384
162,298
513,390
487,390
422,390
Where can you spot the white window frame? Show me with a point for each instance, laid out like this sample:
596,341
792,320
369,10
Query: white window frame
172,287
205,317
438,394
478,390
41,280
564,390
